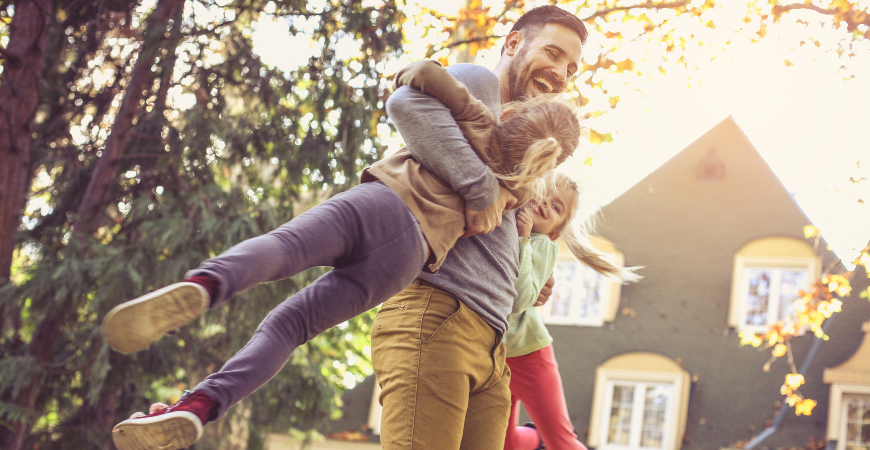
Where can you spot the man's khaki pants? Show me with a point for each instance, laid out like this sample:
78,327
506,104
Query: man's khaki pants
441,368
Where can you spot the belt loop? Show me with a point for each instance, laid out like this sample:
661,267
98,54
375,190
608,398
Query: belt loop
417,282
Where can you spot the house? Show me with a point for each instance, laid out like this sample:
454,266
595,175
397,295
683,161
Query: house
658,364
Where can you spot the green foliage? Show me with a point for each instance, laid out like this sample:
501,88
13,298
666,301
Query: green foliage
254,147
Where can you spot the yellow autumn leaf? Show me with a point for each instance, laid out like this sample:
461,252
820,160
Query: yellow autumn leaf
597,138
811,231
779,350
805,407
792,399
862,260
588,161
794,380
749,338
828,308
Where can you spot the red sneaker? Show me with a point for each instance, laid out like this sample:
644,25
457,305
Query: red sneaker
172,428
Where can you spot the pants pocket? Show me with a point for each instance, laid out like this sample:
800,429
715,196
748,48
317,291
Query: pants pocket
439,313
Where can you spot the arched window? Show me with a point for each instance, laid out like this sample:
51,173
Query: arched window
582,296
768,274
641,401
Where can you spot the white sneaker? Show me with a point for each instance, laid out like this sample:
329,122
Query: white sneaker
132,326
170,431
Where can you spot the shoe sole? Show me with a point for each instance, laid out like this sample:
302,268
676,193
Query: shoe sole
171,431
132,326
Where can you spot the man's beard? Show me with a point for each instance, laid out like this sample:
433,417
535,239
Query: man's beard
520,78
519,88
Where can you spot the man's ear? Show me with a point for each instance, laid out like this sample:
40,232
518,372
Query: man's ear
507,114
554,235
512,43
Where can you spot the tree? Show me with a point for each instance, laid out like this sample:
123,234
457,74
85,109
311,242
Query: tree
122,187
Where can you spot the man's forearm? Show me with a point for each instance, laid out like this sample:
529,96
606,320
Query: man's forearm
435,140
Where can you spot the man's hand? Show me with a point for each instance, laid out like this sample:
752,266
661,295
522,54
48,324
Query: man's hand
486,220
546,291
524,222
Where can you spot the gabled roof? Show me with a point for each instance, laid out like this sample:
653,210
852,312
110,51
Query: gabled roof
715,195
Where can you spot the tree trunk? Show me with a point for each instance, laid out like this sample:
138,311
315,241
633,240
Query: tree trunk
19,97
102,180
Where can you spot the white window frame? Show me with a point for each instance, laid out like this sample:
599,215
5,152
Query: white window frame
605,379
740,286
837,414
606,295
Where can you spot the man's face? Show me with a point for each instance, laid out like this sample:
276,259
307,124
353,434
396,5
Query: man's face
544,63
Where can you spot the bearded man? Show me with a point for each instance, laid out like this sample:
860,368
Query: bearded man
437,346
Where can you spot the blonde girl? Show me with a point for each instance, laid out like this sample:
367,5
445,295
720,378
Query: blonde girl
535,376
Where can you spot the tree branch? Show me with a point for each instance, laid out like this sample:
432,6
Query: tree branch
852,18
647,5
468,41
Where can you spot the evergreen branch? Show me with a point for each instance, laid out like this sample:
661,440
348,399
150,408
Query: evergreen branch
55,367
647,5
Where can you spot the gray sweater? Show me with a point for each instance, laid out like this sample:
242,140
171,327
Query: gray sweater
481,270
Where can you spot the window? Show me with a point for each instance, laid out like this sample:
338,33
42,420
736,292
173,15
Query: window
849,411
768,275
638,413
577,295
857,421
640,403
770,293
581,296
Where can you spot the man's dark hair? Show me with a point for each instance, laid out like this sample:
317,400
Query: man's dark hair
535,19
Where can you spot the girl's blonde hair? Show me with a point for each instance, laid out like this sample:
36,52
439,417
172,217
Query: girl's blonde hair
536,136
576,238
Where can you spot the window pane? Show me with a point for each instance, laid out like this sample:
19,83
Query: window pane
858,422
620,415
792,281
654,410
589,294
757,297
565,274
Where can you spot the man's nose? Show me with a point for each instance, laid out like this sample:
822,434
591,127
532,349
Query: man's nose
560,76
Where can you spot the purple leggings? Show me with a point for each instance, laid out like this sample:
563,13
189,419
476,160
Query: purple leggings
376,248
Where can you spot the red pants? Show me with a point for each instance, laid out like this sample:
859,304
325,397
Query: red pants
535,381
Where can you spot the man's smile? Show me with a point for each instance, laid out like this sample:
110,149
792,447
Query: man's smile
543,84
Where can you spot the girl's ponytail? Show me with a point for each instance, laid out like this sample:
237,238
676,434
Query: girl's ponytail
602,263
541,157
533,138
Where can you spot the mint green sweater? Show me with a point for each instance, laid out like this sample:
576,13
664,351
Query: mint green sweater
526,331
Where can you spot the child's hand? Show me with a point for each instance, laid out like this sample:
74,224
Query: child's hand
524,222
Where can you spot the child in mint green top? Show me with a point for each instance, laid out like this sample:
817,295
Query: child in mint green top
535,376
526,330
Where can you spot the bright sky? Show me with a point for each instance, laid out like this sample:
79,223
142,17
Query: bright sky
808,123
